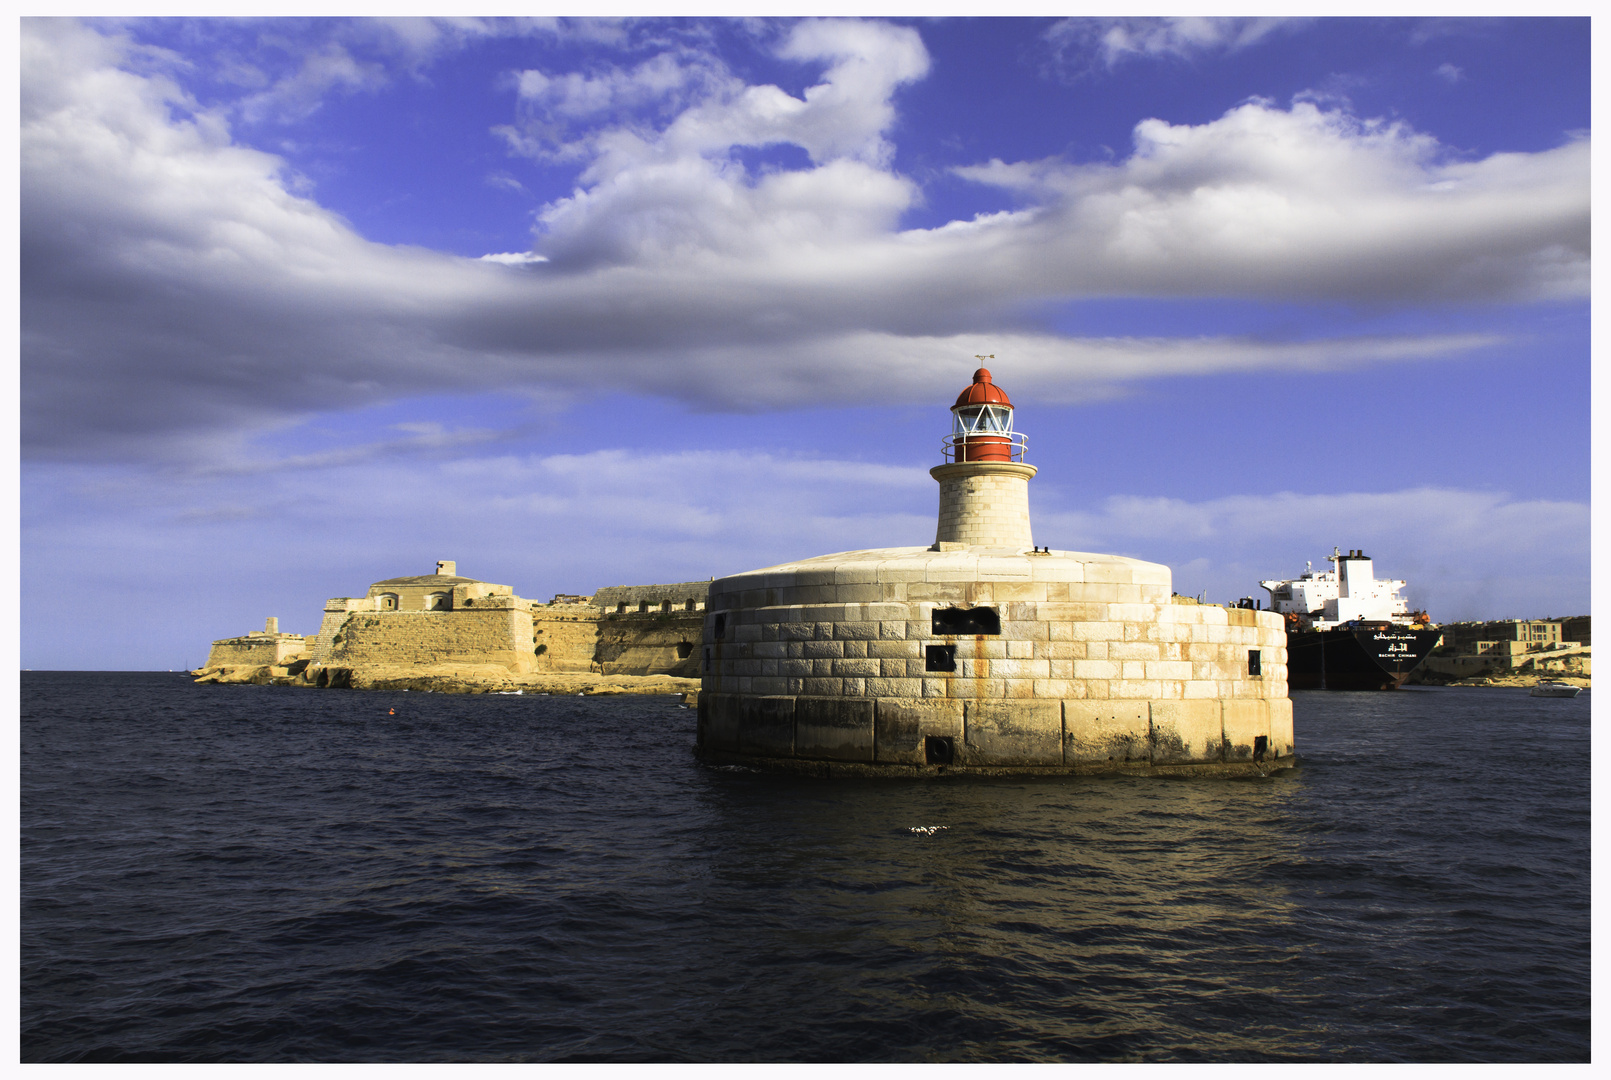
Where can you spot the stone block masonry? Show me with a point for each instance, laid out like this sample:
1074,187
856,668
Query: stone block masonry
256,650
496,634
683,597
565,637
1076,736
659,645
989,659
984,504
260,648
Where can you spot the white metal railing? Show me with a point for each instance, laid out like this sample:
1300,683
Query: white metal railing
1017,442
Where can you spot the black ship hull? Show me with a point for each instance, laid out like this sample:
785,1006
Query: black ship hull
1356,659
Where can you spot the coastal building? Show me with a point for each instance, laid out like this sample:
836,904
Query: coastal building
429,619
1575,628
1505,635
984,651
260,648
444,623
1557,646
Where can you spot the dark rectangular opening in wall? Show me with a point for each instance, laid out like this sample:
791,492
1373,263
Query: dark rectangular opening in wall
1261,746
1253,662
939,658
707,661
939,749
967,622
719,627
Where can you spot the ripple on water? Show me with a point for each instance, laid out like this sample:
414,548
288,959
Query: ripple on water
270,874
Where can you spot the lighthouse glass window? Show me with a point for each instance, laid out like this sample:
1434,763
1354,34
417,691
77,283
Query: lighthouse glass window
983,418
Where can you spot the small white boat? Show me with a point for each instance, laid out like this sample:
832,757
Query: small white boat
1545,688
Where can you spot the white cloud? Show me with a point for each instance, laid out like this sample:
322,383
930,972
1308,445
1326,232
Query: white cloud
1449,73
1081,44
504,182
663,195
514,258
175,292
298,95
1466,554
575,522
1306,202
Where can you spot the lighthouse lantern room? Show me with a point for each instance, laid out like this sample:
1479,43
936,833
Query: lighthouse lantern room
981,424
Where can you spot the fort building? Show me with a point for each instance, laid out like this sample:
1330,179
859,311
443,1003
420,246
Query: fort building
260,648
431,619
983,651
652,599
443,623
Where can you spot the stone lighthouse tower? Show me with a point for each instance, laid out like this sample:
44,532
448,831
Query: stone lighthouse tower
983,652
984,485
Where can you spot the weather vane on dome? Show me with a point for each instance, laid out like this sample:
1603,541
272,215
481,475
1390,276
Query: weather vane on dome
976,356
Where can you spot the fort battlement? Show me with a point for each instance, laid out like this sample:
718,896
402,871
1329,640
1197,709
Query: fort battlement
652,599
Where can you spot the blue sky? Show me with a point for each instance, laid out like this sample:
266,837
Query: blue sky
1258,287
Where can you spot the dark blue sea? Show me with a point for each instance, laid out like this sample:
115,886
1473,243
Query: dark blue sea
242,873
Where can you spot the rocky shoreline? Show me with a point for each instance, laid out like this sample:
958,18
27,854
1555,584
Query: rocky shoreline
493,679
1525,680
446,679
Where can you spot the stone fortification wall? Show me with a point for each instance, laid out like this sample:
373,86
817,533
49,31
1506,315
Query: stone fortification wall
1091,665
440,619
500,633
655,645
566,636
336,611
255,650
634,599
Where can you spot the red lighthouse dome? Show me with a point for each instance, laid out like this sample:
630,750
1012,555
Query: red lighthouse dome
983,392
981,425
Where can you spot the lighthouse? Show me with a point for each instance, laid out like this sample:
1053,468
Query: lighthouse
984,483
984,653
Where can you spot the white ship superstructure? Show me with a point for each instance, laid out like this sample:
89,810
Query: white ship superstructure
1347,593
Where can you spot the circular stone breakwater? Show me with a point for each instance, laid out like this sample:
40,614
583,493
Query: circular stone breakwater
985,653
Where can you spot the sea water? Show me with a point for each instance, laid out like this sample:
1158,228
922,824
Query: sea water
242,873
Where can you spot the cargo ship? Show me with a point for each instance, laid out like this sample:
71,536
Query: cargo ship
1348,631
